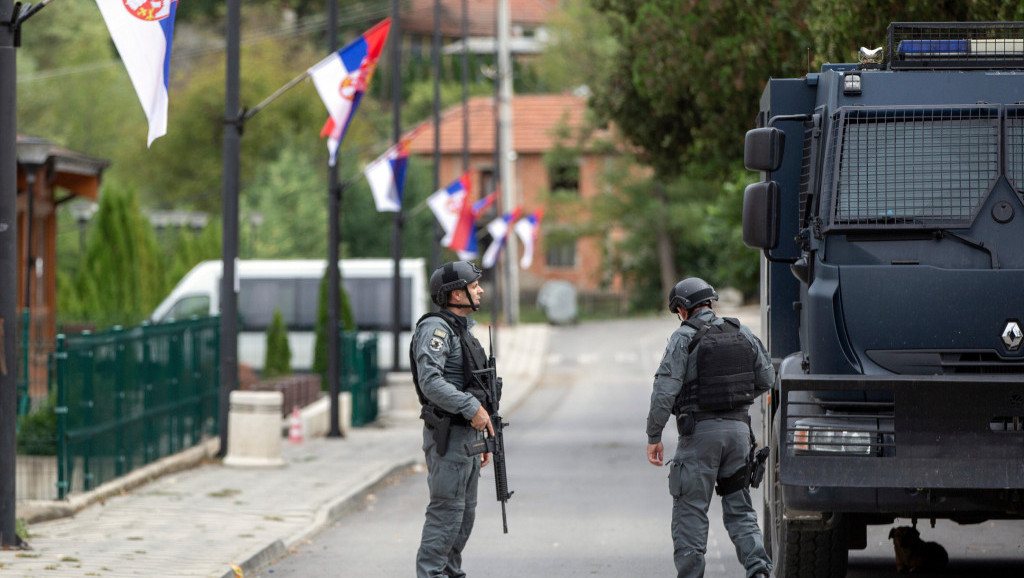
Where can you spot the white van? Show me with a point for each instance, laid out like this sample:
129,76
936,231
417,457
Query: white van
293,287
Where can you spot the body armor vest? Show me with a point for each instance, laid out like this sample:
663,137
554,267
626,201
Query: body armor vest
473,358
725,368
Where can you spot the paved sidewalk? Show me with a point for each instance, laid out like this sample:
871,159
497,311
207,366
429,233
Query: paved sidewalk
197,522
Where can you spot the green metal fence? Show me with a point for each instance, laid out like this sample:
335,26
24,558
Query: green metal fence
128,397
360,375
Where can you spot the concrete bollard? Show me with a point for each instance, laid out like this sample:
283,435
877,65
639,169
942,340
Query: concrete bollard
254,429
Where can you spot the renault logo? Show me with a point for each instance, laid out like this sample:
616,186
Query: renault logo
1012,336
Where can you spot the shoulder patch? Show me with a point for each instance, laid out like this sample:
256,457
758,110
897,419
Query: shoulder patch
436,344
440,333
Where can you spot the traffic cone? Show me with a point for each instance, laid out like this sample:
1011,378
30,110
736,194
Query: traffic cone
295,427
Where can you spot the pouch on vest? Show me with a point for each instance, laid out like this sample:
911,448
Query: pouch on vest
725,367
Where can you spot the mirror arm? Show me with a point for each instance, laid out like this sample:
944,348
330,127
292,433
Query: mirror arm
771,122
785,117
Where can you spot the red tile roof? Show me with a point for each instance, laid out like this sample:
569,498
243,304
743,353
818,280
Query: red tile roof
419,17
535,119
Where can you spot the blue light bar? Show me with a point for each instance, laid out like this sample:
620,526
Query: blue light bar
934,47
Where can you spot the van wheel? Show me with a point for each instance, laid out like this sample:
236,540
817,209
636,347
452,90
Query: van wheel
800,549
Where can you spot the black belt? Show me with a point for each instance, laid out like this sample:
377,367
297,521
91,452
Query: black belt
736,415
456,418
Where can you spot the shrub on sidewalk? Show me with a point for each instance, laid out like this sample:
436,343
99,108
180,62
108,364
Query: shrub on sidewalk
37,430
279,355
346,321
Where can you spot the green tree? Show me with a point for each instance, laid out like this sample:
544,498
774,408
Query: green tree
123,276
839,29
346,322
189,248
683,87
279,355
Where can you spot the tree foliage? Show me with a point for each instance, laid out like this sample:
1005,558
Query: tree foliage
122,277
346,322
679,79
278,360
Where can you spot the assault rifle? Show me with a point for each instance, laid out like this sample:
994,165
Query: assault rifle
495,445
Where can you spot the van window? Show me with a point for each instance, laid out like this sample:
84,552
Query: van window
297,299
372,303
187,307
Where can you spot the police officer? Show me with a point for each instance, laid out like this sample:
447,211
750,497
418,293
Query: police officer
443,354
714,444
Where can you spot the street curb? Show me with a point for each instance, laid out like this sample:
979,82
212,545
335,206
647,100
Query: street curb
325,515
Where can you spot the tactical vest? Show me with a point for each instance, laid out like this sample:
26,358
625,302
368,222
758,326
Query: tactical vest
725,368
473,358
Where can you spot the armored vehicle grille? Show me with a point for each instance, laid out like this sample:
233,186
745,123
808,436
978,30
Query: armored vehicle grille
911,167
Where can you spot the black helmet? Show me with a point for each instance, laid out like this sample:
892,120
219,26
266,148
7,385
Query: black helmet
689,293
449,277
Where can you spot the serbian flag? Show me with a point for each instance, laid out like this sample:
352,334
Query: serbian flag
142,31
386,176
342,78
528,230
464,237
499,229
446,204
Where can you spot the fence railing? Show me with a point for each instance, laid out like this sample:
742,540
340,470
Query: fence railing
128,397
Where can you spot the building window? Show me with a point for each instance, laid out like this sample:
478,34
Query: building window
560,253
564,177
487,182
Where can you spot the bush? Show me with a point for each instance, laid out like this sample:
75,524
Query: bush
346,321
279,355
37,430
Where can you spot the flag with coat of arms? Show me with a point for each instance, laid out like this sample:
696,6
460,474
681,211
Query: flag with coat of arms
446,204
386,176
528,230
499,230
142,31
464,237
342,78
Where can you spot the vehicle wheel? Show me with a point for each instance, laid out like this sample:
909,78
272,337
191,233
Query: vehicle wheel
799,549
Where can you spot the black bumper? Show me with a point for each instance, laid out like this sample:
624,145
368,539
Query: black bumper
923,433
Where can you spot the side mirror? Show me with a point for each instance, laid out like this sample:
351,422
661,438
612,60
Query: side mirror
761,215
762,149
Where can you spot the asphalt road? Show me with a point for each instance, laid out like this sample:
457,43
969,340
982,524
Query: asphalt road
586,501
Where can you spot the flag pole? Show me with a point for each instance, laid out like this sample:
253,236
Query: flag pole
291,83
396,233
333,239
233,125
435,247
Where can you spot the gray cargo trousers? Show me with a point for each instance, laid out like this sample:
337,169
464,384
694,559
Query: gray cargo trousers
453,480
716,449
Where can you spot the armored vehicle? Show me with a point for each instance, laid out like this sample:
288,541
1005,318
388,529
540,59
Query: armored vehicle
892,289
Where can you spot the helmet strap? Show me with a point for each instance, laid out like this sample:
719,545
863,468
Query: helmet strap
469,298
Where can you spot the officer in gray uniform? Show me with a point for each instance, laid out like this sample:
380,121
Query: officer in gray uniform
443,354
714,444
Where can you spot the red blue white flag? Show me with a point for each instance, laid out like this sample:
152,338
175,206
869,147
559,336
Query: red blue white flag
463,239
342,78
386,176
528,230
499,230
446,204
142,31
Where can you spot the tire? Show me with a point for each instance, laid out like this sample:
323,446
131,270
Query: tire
801,549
